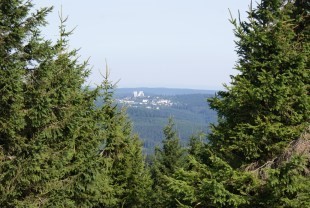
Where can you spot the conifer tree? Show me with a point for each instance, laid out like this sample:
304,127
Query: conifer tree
197,145
286,186
209,181
17,29
166,161
267,104
261,115
50,128
130,177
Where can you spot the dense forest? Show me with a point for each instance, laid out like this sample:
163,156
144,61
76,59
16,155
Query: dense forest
59,149
190,112
191,115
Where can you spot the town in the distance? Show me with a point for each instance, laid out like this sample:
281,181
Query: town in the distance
139,99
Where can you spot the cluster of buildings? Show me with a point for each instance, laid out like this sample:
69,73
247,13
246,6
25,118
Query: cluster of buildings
137,94
140,100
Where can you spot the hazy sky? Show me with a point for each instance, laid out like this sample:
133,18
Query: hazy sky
153,43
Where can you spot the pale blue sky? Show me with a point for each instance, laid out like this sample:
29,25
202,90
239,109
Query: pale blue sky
153,43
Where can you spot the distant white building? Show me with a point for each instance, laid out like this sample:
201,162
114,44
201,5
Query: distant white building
141,94
164,102
138,94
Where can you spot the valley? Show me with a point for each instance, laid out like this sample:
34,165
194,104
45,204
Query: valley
150,108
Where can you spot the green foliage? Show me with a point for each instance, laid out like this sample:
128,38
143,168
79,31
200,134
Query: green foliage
130,178
189,112
267,104
165,162
288,185
51,131
59,149
266,107
51,155
209,181
170,156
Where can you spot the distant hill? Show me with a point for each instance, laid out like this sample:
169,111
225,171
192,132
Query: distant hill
190,111
162,91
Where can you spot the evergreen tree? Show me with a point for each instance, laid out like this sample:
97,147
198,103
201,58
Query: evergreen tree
17,29
166,161
57,148
286,186
284,181
130,177
267,105
208,181
261,115
50,128
197,146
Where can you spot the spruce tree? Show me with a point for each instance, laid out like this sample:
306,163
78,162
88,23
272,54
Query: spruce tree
17,30
165,163
255,157
50,128
209,181
130,177
267,104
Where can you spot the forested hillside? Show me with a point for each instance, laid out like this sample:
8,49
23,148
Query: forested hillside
190,113
119,92
64,144
188,108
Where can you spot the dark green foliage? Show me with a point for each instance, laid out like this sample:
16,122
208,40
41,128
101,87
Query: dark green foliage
169,157
190,114
213,185
171,152
284,181
49,125
197,146
254,158
287,186
51,130
267,104
165,163
208,181
59,149
130,178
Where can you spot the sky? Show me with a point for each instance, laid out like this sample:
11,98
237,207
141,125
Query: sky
152,43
